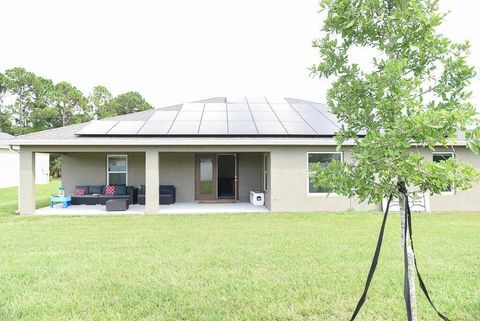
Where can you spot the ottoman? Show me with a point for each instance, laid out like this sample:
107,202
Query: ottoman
117,205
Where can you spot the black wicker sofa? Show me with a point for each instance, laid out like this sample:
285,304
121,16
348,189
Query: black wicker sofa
95,195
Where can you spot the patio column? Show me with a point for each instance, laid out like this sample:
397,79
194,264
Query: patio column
26,188
152,182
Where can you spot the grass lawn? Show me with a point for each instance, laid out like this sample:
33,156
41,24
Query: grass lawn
275,266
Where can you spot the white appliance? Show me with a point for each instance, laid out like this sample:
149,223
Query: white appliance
257,198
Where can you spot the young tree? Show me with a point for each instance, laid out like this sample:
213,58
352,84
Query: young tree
414,96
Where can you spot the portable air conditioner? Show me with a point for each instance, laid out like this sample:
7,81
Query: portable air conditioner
257,198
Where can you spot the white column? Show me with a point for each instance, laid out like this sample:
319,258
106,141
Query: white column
26,188
152,181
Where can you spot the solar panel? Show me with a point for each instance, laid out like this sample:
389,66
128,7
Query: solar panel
304,108
215,107
263,116
256,100
270,128
238,107
276,100
188,116
298,128
260,107
97,127
320,123
213,128
165,115
198,107
239,116
242,128
289,116
214,116
236,100
155,127
126,128
184,128
281,107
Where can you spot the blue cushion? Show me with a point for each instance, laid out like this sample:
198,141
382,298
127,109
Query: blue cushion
95,189
166,189
120,190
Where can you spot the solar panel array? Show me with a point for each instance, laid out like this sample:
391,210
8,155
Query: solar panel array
242,116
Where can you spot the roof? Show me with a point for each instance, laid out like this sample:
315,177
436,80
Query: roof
213,121
3,138
223,117
217,120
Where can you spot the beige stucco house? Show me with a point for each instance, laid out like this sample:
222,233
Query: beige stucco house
10,165
214,150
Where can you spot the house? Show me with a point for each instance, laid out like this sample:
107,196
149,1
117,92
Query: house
10,165
214,150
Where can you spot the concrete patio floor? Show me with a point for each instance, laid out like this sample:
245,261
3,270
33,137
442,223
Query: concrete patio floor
136,209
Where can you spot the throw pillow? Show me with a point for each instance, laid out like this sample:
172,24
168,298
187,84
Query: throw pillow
120,189
80,191
110,190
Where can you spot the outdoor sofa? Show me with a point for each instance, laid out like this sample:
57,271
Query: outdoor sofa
95,195
167,194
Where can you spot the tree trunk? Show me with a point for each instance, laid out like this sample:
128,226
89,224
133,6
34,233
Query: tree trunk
410,257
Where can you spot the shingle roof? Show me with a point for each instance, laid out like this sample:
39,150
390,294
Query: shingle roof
74,132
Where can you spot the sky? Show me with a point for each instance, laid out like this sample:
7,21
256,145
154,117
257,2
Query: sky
185,50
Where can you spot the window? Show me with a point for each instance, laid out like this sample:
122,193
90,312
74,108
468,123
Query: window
322,158
117,170
443,156
265,172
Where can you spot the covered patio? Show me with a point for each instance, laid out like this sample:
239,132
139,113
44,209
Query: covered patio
137,209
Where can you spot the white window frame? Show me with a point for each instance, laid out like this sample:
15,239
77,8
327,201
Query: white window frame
452,154
265,172
117,172
319,194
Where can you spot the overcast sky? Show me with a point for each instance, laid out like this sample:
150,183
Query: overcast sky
184,50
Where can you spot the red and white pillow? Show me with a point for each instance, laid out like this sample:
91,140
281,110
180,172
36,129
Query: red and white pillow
110,190
80,191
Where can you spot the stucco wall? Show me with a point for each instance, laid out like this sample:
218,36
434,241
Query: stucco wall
459,200
91,169
9,168
287,176
289,183
249,173
176,169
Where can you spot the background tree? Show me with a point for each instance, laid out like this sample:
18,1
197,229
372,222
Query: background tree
129,102
66,106
414,93
100,102
28,92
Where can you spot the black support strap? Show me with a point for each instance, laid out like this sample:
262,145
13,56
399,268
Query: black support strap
407,227
363,298
420,280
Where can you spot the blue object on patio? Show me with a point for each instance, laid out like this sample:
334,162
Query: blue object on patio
66,200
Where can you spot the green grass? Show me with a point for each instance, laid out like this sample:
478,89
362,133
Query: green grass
277,266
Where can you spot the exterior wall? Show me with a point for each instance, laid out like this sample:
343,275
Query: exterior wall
175,168
91,169
9,168
249,174
42,168
289,183
287,174
459,200
178,169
